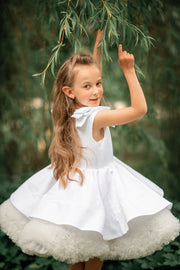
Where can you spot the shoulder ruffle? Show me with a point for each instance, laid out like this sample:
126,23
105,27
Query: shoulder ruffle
82,114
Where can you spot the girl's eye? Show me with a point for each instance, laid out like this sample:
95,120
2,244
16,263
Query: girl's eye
99,83
86,86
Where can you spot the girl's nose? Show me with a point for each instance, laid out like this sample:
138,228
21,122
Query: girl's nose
95,90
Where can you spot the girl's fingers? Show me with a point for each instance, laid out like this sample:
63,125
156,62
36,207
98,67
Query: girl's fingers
120,49
100,32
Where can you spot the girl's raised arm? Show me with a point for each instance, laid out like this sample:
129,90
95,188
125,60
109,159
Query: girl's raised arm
138,103
96,53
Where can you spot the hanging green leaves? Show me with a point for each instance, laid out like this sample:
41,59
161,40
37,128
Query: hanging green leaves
79,19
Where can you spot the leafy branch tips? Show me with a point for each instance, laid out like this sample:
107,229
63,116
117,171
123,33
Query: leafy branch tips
81,18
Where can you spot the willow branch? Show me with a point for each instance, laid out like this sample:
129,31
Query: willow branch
107,10
60,44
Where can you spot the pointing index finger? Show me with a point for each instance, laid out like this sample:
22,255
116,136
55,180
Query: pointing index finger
120,48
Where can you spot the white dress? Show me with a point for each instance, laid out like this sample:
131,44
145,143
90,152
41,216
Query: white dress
117,214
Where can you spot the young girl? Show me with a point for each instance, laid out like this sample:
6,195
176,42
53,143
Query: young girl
88,206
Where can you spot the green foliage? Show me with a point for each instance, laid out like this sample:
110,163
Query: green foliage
78,20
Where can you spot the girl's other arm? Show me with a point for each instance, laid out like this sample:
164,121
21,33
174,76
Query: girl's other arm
138,103
96,53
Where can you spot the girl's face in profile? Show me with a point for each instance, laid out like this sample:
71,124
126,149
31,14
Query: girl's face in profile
87,87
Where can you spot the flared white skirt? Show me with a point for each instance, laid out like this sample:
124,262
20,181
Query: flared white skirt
117,214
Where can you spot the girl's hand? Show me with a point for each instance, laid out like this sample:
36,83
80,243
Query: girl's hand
126,60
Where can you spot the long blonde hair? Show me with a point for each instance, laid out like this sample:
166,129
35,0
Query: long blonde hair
65,150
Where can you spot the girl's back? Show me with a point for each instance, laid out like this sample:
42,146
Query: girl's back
97,154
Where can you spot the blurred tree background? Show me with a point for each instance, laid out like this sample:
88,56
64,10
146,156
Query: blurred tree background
150,145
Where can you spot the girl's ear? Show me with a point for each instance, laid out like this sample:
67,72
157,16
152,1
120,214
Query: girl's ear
68,91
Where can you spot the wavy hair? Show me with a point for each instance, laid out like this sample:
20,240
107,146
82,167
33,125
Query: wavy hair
65,150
